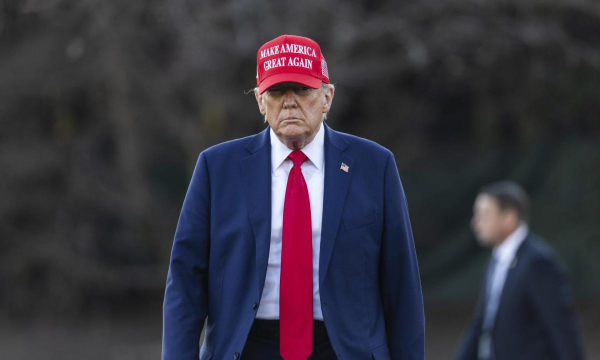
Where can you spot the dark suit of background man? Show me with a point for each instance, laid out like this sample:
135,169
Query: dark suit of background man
525,310
294,242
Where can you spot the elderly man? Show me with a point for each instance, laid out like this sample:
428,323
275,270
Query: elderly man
525,311
294,243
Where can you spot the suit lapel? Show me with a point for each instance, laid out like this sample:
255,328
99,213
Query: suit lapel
334,195
510,276
256,176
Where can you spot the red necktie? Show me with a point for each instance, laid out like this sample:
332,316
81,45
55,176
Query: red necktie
295,293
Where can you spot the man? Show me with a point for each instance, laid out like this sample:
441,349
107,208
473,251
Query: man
294,243
525,310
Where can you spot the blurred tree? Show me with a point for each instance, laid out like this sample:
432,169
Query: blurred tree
106,105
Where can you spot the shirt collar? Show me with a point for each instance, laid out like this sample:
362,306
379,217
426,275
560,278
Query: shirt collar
506,251
314,151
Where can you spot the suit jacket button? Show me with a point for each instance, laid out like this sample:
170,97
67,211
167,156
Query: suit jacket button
236,356
255,306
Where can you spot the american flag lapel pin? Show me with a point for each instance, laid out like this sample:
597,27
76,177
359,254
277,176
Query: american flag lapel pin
344,167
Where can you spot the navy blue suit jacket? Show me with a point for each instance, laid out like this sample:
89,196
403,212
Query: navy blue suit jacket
536,317
368,276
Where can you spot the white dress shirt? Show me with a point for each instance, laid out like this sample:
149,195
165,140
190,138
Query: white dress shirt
313,170
504,255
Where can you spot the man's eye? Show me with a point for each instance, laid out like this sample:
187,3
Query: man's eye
303,89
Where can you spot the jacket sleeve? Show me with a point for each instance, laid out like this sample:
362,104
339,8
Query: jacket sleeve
552,301
186,294
400,282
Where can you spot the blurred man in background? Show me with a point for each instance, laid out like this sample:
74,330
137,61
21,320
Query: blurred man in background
525,309
296,242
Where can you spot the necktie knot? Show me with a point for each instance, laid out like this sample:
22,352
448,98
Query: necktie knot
297,157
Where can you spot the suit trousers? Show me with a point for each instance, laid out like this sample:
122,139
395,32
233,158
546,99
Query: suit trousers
263,342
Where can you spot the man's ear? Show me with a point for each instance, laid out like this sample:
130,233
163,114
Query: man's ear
512,218
259,100
328,92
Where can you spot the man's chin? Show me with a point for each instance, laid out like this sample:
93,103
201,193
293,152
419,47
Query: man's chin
293,132
486,243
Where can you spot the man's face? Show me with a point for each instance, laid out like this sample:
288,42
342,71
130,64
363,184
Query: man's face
490,223
295,111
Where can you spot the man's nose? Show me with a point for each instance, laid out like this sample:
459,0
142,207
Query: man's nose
289,98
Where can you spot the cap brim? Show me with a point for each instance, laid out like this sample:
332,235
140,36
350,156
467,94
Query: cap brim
308,80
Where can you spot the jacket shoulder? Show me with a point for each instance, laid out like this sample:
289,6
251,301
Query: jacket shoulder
539,247
539,251
365,146
228,146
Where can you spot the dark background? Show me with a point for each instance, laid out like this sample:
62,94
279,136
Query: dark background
105,106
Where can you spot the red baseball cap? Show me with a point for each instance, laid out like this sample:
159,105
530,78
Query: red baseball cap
290,58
